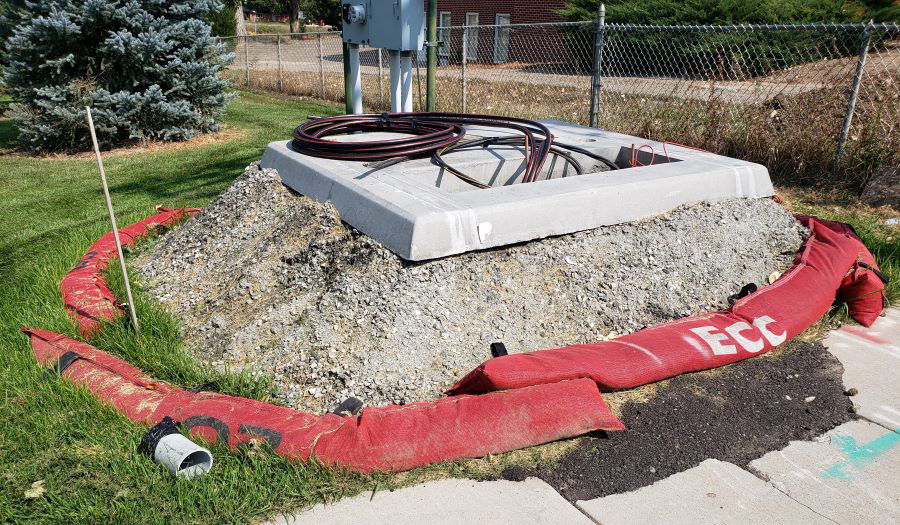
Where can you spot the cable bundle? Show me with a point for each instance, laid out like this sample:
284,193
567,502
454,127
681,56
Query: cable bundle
433,134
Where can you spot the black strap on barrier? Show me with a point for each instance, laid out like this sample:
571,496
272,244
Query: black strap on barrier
202,387
498,349
162,429
63,362
348,407
881,275
748,289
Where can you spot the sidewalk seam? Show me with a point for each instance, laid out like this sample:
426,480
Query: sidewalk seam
864,418
814,511
765,479
588,516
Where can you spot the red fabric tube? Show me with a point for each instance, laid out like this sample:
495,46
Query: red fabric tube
388,438
754,325
84,291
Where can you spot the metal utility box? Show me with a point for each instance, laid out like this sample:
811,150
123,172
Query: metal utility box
397,25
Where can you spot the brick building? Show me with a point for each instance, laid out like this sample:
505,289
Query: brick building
498,45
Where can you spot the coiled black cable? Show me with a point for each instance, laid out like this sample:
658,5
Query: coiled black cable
431,133
427,136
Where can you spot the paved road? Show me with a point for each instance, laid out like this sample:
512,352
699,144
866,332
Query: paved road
748,92
304,57
849,475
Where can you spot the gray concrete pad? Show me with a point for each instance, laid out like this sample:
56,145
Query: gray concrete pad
420,212
871,359
851,475
712,492
449,501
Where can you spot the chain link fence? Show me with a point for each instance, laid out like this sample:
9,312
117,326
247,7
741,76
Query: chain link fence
311,64
788,96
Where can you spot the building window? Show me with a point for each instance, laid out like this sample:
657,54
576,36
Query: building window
501,39
472,46
445,19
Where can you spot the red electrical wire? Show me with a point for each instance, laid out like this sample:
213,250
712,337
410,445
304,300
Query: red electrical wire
681,146
634,155
634,152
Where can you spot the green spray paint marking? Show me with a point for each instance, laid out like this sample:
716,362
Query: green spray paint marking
858,456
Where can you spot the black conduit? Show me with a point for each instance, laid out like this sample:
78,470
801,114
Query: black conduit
434,134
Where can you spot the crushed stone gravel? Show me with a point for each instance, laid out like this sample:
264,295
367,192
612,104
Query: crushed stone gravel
273,281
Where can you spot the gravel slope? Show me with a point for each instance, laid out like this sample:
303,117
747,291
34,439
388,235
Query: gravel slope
272,280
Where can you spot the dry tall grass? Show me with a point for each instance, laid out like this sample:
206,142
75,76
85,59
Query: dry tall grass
794,136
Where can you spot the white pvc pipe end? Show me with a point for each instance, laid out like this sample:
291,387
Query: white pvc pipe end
396,84
355,82
182,457
406,82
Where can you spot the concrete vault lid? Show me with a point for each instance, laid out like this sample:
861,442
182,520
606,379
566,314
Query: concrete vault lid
420,212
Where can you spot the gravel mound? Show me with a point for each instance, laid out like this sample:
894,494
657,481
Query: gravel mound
274,281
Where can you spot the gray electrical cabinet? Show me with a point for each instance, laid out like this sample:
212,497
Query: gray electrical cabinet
397,25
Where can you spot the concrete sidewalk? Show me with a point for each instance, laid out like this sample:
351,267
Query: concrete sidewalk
849,475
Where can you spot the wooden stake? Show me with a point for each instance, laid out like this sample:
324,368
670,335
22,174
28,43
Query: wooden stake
112,219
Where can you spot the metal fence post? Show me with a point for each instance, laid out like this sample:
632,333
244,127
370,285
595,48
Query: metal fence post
419,82
348,75
280,73
380,78
465,58
431,58
321,67
247,58
598,64
854,90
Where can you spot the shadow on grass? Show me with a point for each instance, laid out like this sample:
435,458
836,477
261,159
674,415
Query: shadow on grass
198,179
138,183
8,135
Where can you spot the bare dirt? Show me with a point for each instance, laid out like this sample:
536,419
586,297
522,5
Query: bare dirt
735,413
883,189
153,146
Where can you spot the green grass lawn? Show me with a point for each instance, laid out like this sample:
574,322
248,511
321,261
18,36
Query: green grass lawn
268,28
86,453
52,210
881,239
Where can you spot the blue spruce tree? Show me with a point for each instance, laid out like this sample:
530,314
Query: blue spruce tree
148,69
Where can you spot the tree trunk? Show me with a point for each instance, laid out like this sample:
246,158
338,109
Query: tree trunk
293,8
239,28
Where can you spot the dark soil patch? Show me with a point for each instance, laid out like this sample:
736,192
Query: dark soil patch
735,414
